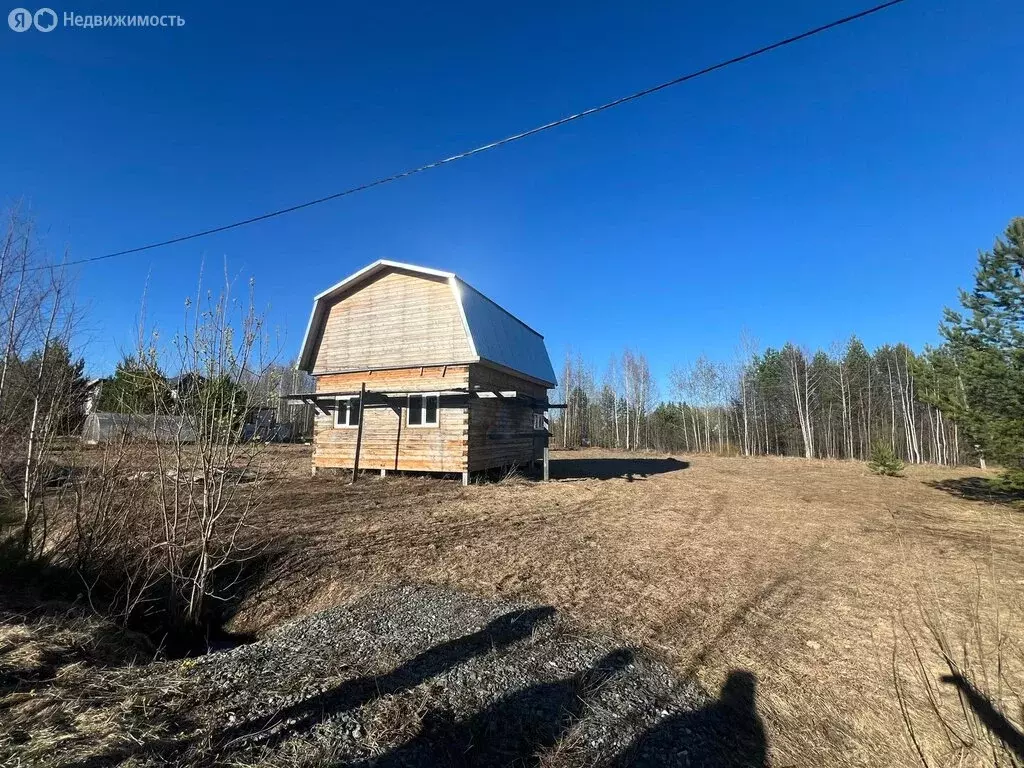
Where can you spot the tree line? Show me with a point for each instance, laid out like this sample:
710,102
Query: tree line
959,402
785,402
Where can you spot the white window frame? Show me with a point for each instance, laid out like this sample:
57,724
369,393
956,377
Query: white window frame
423,410
538,421
348,412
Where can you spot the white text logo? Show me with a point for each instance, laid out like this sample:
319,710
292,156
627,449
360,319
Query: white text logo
46,20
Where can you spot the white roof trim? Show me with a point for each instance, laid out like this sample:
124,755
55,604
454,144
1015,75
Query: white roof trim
453,281
535,363
376,267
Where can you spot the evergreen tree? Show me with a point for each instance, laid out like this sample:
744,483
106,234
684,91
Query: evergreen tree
61,390
984,354
136,387
217,404
884,460
66,377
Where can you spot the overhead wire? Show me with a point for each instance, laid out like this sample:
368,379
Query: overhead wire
498,143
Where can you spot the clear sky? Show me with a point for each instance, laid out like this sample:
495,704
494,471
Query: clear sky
842,185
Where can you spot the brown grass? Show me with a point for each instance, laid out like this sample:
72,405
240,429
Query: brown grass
807,573
63,686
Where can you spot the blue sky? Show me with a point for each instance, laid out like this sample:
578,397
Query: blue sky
842,185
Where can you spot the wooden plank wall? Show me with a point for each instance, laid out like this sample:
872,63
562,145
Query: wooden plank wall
397,319
492,419
388,441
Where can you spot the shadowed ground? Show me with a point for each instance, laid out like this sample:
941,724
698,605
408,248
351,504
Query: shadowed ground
629,469
427,677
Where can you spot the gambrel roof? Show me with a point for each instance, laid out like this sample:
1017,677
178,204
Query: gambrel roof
494,334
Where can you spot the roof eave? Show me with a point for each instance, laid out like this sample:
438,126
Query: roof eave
517,372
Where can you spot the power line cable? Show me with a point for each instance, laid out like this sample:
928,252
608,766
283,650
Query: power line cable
500,142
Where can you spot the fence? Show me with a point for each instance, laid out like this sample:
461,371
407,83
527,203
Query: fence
101,427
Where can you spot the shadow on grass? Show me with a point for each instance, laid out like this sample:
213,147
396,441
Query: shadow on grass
515,730
520,728
980,489
41,589
301,718
523,727
352,694
608,469
994,720
728,733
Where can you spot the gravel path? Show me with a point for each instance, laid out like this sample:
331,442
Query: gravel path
431,677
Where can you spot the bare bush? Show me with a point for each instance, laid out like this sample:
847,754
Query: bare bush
37,317
150,522
159,516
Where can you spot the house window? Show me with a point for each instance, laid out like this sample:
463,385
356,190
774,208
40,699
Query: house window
538,421
423,410
346,414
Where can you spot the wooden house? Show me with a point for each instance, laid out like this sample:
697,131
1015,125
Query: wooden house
417,370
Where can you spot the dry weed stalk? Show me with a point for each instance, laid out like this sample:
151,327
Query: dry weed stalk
961,672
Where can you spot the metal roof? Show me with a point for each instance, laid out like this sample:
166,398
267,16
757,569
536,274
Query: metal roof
495,334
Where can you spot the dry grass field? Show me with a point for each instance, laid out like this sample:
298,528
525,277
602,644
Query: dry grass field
812,575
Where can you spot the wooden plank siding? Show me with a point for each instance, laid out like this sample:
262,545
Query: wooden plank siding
388,441
393,321
402,329
501,431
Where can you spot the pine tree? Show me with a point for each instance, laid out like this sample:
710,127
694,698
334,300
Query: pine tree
136,387
985,345
67,378
61,392
884,460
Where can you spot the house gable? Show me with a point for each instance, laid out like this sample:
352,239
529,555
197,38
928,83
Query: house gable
394,315
396,318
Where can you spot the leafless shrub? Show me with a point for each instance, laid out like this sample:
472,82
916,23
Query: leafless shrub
206,488
151,521
159,516
37,316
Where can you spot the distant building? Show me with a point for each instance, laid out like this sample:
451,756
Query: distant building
93,391
185,384
416,370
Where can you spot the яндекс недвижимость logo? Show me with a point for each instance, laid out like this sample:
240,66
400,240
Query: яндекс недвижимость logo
22,19
46,20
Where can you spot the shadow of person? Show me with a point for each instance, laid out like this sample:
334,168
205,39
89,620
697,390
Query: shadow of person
352,694
728,733
517,729
996,722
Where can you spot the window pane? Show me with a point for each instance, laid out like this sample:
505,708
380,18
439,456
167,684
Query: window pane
353,412
340,414
415,409
430,416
